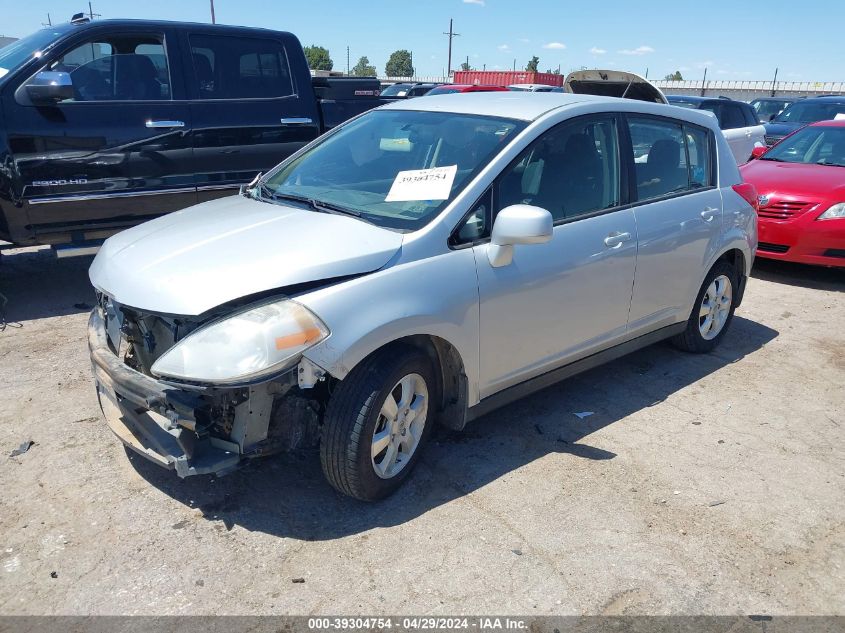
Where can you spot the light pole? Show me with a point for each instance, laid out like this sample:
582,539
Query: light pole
213,20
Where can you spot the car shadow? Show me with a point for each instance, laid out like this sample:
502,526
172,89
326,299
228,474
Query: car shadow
37,285
288,496
803,275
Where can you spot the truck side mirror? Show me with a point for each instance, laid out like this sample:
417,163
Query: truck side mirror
518,224
49,87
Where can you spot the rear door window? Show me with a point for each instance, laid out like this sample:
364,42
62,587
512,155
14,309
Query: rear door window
669,157
239,67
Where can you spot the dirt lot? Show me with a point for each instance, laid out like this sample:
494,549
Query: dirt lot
701,484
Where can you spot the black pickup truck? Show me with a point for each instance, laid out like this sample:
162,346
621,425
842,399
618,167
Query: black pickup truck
109,123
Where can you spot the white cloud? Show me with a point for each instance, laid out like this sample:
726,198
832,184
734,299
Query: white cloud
595,50
503,47
555,46
640,50
478,2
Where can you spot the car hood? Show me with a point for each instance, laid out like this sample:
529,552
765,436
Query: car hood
813,183
190,261
782,129
613,83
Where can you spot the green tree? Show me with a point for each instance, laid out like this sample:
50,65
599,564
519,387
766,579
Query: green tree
318,58
399,64
465,66
675,76
533,64
363,68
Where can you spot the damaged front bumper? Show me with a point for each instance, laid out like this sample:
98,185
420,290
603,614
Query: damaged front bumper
192,429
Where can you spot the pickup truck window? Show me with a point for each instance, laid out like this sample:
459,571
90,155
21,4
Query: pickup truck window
123,68
240,67
397,169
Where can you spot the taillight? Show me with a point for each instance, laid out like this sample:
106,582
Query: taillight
748,193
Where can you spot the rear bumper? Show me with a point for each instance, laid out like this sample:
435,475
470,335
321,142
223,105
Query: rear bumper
804,240
155,420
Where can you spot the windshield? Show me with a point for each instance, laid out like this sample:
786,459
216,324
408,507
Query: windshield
818,145
396,90
765,109
683,103
397,169
442,90
803,112
19,52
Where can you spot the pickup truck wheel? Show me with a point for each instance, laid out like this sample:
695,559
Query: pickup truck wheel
712,312
376,423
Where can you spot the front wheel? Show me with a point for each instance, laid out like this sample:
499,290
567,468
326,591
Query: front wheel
712,312
376,423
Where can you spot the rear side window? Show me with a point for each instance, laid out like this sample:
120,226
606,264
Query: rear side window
240,67
120,68
669,157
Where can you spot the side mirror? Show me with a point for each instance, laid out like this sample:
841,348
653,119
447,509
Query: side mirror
49,87
518,224
758,151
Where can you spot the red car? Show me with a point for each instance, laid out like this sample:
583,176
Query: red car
446,89
801,186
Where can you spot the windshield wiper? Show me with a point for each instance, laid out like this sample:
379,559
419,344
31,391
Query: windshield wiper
317,205
773,159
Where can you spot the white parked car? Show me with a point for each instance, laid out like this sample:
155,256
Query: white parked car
737,119
534,88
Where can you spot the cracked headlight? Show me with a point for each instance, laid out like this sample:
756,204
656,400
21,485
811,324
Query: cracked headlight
245,346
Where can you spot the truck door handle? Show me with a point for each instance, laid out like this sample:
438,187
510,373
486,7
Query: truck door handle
296,120
615,240
709,213
164,124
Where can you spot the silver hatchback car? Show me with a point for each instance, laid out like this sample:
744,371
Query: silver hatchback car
424,263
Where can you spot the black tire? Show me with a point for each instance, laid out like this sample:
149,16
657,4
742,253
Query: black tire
691,339
353,412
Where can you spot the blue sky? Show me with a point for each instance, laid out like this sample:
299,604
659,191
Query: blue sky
730,38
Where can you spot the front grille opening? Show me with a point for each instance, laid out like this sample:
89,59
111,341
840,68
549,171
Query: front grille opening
772,248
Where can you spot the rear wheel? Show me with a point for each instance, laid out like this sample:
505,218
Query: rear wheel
712,312
377,422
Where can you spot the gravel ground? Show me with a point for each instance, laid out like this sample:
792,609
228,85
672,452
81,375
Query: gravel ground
701,484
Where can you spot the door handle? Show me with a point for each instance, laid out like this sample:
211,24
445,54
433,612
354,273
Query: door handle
615,240
164,124
296,120
709,213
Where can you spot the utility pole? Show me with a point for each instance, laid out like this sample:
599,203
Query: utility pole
49,22
646,72
213,20
451,35
514,64
467,64
704,83
774,82
347,61
91,14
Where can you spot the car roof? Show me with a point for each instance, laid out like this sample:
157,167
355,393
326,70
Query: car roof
840,123
129,22
825,99
773,99
528,106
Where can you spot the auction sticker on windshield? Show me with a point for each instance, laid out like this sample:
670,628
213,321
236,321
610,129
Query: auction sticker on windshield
422,184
